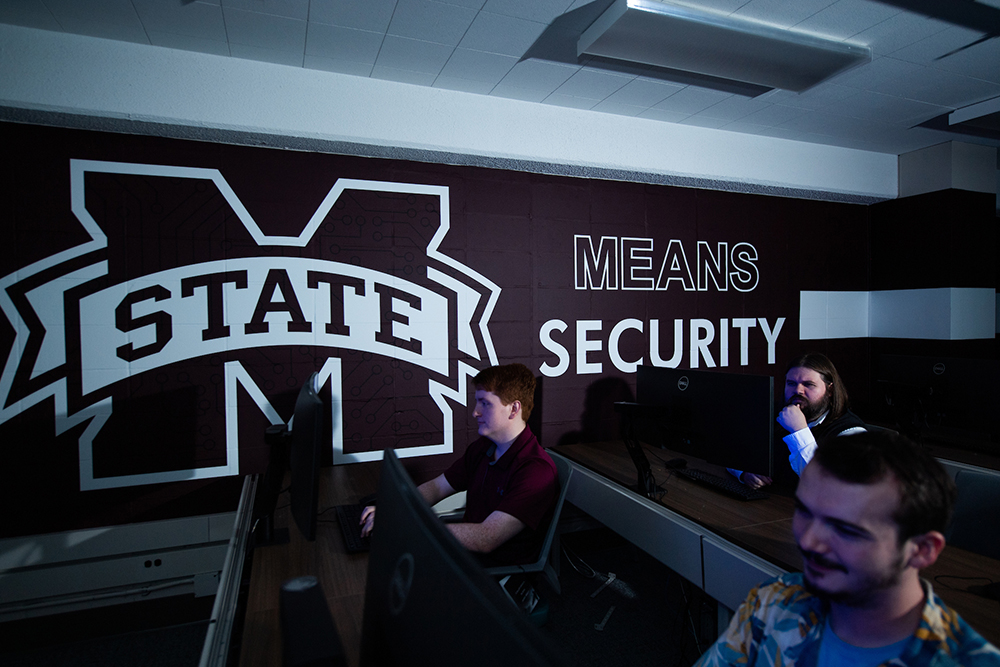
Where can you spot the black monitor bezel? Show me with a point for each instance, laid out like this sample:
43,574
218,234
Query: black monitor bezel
453,612
713,405
304,457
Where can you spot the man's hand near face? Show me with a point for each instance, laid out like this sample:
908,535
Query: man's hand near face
792,418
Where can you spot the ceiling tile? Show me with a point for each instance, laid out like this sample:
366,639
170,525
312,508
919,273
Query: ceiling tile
463,85
172,40
413,55
470,4
505,35
263,31
643,92
542,11
28,14
981,61
870,107
925,51
368,15
509,91
109,19
813,99
704,121
761,130
569,101
898,32
846,18
733,108
664,115
873,106
593,84
538,75
193,19
691,100
781,13
291,9
329,41
430,21
250,52
339,66
478,66
904,79
772,115
619,109
402,75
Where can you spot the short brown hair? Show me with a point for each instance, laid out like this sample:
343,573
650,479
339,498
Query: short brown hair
511,382
926,491
836,391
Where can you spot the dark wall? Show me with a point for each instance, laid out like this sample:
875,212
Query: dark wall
935,240
140,379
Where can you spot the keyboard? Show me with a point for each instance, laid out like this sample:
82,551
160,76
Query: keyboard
349,517
727,485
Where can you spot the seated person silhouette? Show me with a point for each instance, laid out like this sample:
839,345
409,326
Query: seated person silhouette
511,483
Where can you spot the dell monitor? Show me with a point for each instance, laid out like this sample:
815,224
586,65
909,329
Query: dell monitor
296,445
942,400
304,457
726,419
427,600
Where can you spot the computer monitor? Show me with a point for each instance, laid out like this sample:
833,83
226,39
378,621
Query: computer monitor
942,400
427,601
304,457
724,418
296,445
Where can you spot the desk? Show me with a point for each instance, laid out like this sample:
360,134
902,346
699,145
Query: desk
342,575
726,546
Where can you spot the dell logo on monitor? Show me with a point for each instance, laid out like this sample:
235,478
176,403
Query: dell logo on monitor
938,369
399,586
682,382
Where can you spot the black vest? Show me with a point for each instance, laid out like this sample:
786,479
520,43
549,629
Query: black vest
831,428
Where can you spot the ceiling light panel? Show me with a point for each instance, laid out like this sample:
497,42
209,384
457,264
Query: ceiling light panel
684,38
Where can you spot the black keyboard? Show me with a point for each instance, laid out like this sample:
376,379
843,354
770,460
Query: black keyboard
728,485
349,517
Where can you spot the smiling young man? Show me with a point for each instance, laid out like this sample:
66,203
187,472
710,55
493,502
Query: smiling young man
871,509
511,483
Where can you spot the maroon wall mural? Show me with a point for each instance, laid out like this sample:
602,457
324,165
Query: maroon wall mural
164,300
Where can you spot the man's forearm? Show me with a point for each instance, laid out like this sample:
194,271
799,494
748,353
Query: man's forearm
486,536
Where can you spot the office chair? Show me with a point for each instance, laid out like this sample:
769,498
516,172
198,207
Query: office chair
548,562
974,526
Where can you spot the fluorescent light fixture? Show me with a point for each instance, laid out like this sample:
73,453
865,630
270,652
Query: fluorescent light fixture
691,40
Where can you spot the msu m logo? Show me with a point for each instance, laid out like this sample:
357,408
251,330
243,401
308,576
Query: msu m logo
169,319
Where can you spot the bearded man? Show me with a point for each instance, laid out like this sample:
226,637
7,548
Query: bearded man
815,407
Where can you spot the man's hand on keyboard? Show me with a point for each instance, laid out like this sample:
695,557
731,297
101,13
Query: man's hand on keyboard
755,481
367,521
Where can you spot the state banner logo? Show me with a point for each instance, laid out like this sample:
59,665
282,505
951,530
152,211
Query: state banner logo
173,317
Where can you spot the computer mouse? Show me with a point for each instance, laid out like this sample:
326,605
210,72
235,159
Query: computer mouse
676,463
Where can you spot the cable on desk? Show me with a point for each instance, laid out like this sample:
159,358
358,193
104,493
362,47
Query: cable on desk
938,580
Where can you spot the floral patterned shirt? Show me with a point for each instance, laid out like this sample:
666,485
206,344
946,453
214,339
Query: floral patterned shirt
781,623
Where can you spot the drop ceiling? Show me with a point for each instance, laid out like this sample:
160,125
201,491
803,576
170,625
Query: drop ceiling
928,59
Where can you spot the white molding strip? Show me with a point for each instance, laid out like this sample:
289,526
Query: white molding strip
946,313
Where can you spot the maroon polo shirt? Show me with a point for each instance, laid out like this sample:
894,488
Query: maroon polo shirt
523,483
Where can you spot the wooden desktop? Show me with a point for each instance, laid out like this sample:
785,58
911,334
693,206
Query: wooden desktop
342,575
727,532
764,527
